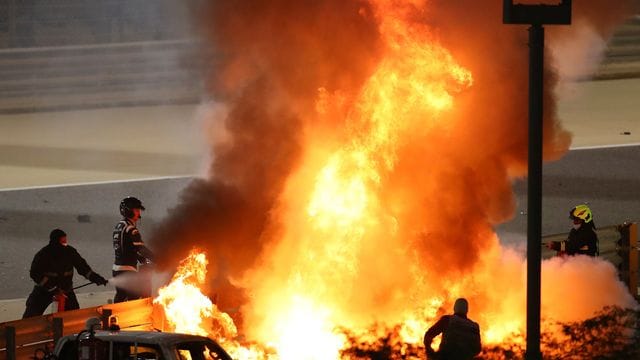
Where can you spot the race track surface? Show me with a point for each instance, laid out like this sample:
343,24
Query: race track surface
606,178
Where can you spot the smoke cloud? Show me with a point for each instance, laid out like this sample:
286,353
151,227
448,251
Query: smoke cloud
577,50
273,58
296,80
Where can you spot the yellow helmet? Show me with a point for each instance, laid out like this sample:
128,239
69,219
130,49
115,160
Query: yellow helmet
581,212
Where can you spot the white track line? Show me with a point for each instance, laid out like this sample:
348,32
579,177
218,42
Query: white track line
190,176
98,182
603,146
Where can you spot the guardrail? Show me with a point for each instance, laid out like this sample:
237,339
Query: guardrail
618,245
20,338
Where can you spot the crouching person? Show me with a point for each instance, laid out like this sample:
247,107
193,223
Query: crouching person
460,335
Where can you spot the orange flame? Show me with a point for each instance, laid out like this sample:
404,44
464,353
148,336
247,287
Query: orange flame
186,308
335,212
349,249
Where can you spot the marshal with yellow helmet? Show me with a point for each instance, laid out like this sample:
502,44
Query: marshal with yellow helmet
581,212
582,239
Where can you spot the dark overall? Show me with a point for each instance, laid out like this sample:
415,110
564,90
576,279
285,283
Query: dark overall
129,251
52,270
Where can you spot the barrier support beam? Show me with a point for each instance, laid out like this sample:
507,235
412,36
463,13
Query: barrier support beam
10,339
633,259
106,314
58,329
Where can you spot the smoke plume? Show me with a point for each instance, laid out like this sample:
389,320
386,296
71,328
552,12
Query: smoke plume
365,153
273,58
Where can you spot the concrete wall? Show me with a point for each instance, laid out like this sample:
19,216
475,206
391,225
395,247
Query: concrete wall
28,23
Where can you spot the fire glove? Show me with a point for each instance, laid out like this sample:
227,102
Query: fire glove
98,280
553,245
45,284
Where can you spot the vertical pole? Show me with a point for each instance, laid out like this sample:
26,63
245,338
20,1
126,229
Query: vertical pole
534,192
633,259
58,328
106,314
10,339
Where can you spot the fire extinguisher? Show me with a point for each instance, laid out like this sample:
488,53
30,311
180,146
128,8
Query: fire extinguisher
59,300
90,347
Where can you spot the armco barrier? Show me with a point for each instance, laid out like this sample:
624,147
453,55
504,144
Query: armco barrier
20,338
612,251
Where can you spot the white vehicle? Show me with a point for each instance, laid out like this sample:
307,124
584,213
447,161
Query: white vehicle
138,345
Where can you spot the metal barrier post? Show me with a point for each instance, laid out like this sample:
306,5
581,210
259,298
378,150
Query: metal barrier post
106,313
10,338
58,328
633,259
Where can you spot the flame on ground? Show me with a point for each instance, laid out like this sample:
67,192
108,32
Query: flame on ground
308,331
186,308
361,235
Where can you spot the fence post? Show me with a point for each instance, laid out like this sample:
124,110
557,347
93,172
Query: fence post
633,259
58,328
10,338
106,313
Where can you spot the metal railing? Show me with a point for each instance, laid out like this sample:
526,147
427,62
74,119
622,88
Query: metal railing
621,254
20,338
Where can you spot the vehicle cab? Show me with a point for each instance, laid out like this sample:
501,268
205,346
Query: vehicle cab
137,345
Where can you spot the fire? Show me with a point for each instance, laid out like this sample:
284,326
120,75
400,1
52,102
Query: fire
186,308
336,210
304,330
389,214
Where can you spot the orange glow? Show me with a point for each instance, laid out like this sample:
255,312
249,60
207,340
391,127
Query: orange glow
186,309
336,216
184,304
305,333
360,236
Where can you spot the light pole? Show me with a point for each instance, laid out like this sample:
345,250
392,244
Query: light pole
536,16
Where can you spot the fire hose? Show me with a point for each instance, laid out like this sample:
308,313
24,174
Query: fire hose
81,286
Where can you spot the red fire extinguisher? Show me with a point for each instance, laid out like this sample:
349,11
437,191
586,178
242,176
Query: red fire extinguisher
90,347
59,300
